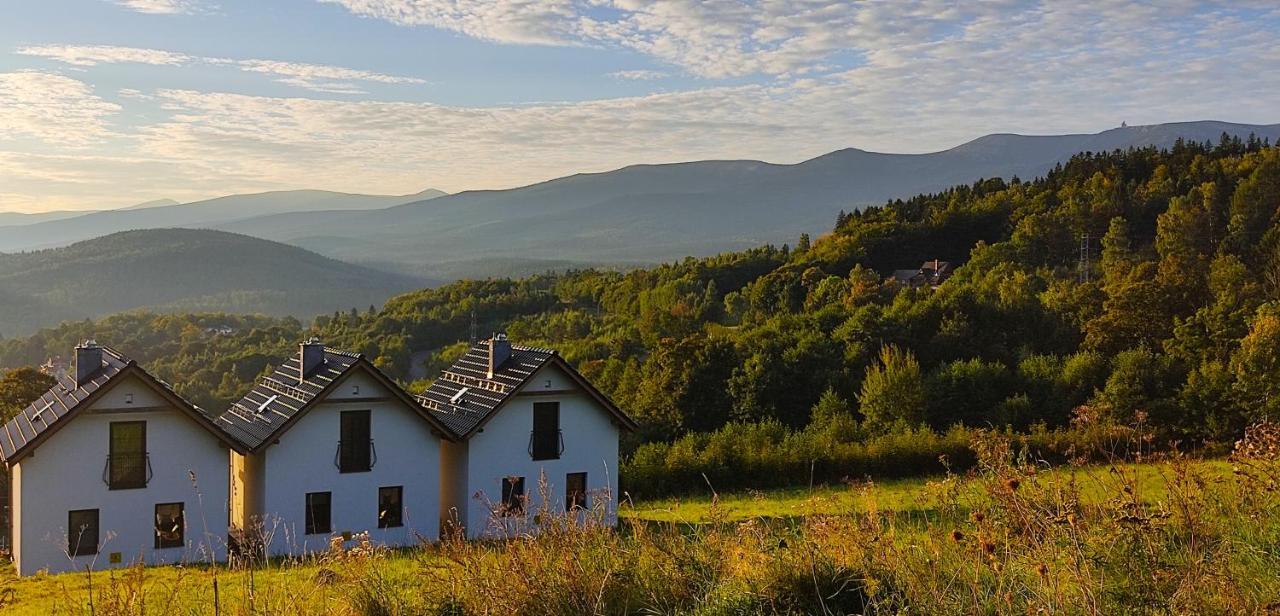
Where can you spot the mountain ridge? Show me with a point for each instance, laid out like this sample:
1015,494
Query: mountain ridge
194,214
182,270
647,213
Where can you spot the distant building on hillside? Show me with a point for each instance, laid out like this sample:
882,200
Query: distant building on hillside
929,274
55,367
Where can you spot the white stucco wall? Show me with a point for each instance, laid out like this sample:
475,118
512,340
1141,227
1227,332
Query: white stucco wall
303,461
501,450
65,473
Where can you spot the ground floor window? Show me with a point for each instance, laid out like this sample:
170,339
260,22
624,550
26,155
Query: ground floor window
390,507
512,495
318,508
170,526
575,491
82,532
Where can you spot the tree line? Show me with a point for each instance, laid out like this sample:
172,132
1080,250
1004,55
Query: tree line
1127,286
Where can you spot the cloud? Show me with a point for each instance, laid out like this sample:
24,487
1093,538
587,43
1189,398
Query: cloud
92,55
52,109
320,78
733,38
159,7
901,77
639,75
538,22
316,77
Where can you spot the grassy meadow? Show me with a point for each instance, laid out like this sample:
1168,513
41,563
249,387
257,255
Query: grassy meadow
1174,535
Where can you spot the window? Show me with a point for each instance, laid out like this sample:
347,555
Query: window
354,448
127,462
318,513
170,526
390,507
82,532
575,496
512,495
544,442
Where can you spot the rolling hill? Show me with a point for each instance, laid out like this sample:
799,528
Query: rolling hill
182,269
634,215
197,214
647,213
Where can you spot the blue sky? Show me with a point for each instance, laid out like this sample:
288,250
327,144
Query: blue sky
106,103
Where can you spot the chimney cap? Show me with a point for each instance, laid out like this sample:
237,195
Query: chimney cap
88,343
313,340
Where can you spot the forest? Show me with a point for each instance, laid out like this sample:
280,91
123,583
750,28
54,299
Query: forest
1125,288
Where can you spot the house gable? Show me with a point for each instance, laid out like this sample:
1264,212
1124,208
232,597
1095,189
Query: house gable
281,399
61,403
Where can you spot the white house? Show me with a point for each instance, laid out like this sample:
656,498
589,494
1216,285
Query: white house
333,448
523,416
111,467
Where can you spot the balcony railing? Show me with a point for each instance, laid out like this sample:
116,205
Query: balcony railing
546,445
355,463
127,471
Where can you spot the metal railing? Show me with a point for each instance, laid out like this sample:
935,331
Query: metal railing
127,471
538,453
355,465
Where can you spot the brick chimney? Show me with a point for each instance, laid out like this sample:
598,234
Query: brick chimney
499,352
311,357
88,358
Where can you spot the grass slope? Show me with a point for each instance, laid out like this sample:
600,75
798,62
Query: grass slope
1172,537
181,269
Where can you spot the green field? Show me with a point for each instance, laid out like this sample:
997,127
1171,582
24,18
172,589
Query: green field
906,496
1135,539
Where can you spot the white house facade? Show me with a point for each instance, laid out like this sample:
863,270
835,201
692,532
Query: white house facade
334,449
110,467
533,435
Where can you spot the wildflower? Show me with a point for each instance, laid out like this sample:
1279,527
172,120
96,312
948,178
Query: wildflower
988,547
978,516
957,536
1012,483
1042,570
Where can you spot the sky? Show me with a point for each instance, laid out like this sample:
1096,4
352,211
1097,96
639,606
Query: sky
108,103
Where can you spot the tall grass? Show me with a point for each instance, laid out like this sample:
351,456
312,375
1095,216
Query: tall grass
1006,537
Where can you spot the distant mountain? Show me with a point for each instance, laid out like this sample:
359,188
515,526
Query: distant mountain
182,269
661,212
16,219
198,214
156,203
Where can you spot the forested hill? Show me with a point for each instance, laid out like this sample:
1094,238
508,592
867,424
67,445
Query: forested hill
181,270
1176,320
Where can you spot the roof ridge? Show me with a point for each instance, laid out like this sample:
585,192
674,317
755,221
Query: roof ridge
521,347
343,353
117,354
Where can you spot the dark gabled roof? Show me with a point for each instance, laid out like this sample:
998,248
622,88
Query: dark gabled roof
464,397
281,398
55,407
